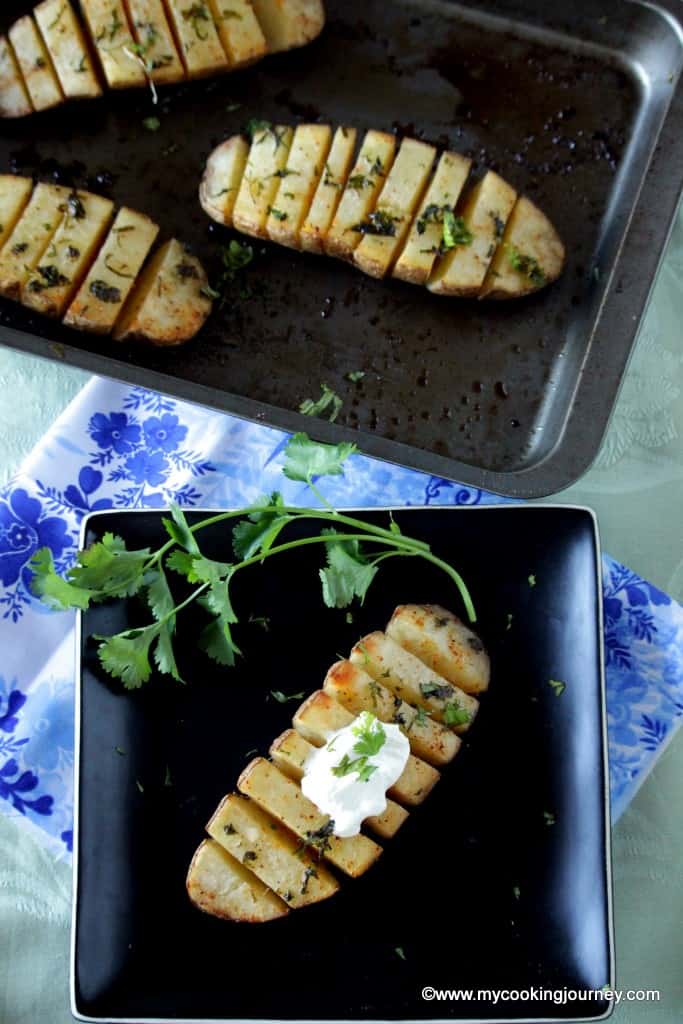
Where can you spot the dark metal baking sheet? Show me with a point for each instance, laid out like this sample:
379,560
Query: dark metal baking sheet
580,105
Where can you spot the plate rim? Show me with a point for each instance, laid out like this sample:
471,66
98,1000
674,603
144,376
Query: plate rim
607,837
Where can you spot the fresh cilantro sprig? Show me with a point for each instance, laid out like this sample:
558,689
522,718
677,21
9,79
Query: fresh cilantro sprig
371,737
354,550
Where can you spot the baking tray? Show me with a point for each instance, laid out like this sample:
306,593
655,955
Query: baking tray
580,105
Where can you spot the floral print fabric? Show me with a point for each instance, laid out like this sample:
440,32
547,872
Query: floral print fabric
122,447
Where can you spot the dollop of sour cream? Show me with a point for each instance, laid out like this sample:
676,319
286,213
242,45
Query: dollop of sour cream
348,778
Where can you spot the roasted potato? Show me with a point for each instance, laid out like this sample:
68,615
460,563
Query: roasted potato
290,751
68,48
390,215
111,277
35,65
271,852
59,257
282,798
287,24
357,691
61,268
15,193
411,680
14,97
168,304
130,43
443,643
220,885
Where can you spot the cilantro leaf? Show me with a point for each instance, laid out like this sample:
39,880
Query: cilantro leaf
282,698
178,530
453,714
159,596
164,656
53,590
370,733
329,403
183,563
360,765
305,459
126,655
108,569
161,603
260,530
558,686
347,575
216,640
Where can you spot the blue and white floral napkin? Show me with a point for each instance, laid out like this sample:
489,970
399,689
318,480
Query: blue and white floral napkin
122,447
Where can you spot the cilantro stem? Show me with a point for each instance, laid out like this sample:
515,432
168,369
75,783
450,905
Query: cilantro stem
459,582
322,539
321,497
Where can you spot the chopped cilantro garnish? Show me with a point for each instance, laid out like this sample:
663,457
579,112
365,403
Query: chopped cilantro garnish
557,686
329,403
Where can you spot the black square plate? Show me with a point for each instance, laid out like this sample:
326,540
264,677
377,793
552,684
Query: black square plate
501,880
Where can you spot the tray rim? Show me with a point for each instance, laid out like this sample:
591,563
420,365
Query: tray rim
576,445
607,835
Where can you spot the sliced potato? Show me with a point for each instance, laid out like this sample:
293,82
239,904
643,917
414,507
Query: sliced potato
321,715
113,274
66,43
270,852
222,177
298,181
220,885
287,24
156,46
443,643
530,256
35,64
411,680
14,98
290,752
361,189
267,158
168,304
357,692
30,238
462,270
197,35
61,268
384,229
239,31
282,798
329,191
113,40
15,193
420,251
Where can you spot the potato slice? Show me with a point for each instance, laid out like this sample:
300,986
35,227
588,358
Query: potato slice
58,274
357,692
384,229
30,237
113,40
15,193
35,64
321,715
287,24
168,304
280,797
267,157
271,852
14,98
197,35
420,251
222,178
443,643
412,681
66,43
298,181
239,31
156,46
290,751
220,885
462,270
360,193
112,276
329,191
530,256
